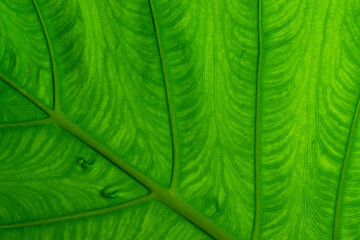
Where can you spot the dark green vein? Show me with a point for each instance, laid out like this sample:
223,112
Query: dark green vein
340,193
257,208
174,137
169,198
80,215
52,57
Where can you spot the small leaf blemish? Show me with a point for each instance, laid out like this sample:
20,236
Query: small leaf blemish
84,163
111,192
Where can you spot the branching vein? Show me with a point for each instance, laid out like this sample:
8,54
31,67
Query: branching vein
25,123
166,196
80,215
23,92
174,137
52,57
169,198
340,193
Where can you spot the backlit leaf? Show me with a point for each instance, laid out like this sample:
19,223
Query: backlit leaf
179,119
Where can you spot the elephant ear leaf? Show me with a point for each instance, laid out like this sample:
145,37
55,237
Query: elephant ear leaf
181,119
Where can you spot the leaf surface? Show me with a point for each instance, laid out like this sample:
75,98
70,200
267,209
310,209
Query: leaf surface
159,119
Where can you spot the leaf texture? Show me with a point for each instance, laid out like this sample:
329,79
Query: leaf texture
169,119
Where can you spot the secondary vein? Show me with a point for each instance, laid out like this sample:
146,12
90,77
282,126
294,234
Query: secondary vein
52,58
80,215
25,123
174,137
24,93
257,208
340,193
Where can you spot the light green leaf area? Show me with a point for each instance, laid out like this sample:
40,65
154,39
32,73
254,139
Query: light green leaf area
179,119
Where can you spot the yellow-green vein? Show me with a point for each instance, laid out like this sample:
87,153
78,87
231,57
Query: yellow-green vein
24,93
174,137
25,123
80,215
52,58
340,193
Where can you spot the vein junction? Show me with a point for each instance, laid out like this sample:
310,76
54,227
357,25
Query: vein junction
167,196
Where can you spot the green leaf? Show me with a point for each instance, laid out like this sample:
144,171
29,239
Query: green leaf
179,119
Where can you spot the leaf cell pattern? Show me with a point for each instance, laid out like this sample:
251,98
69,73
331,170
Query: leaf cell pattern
169,119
